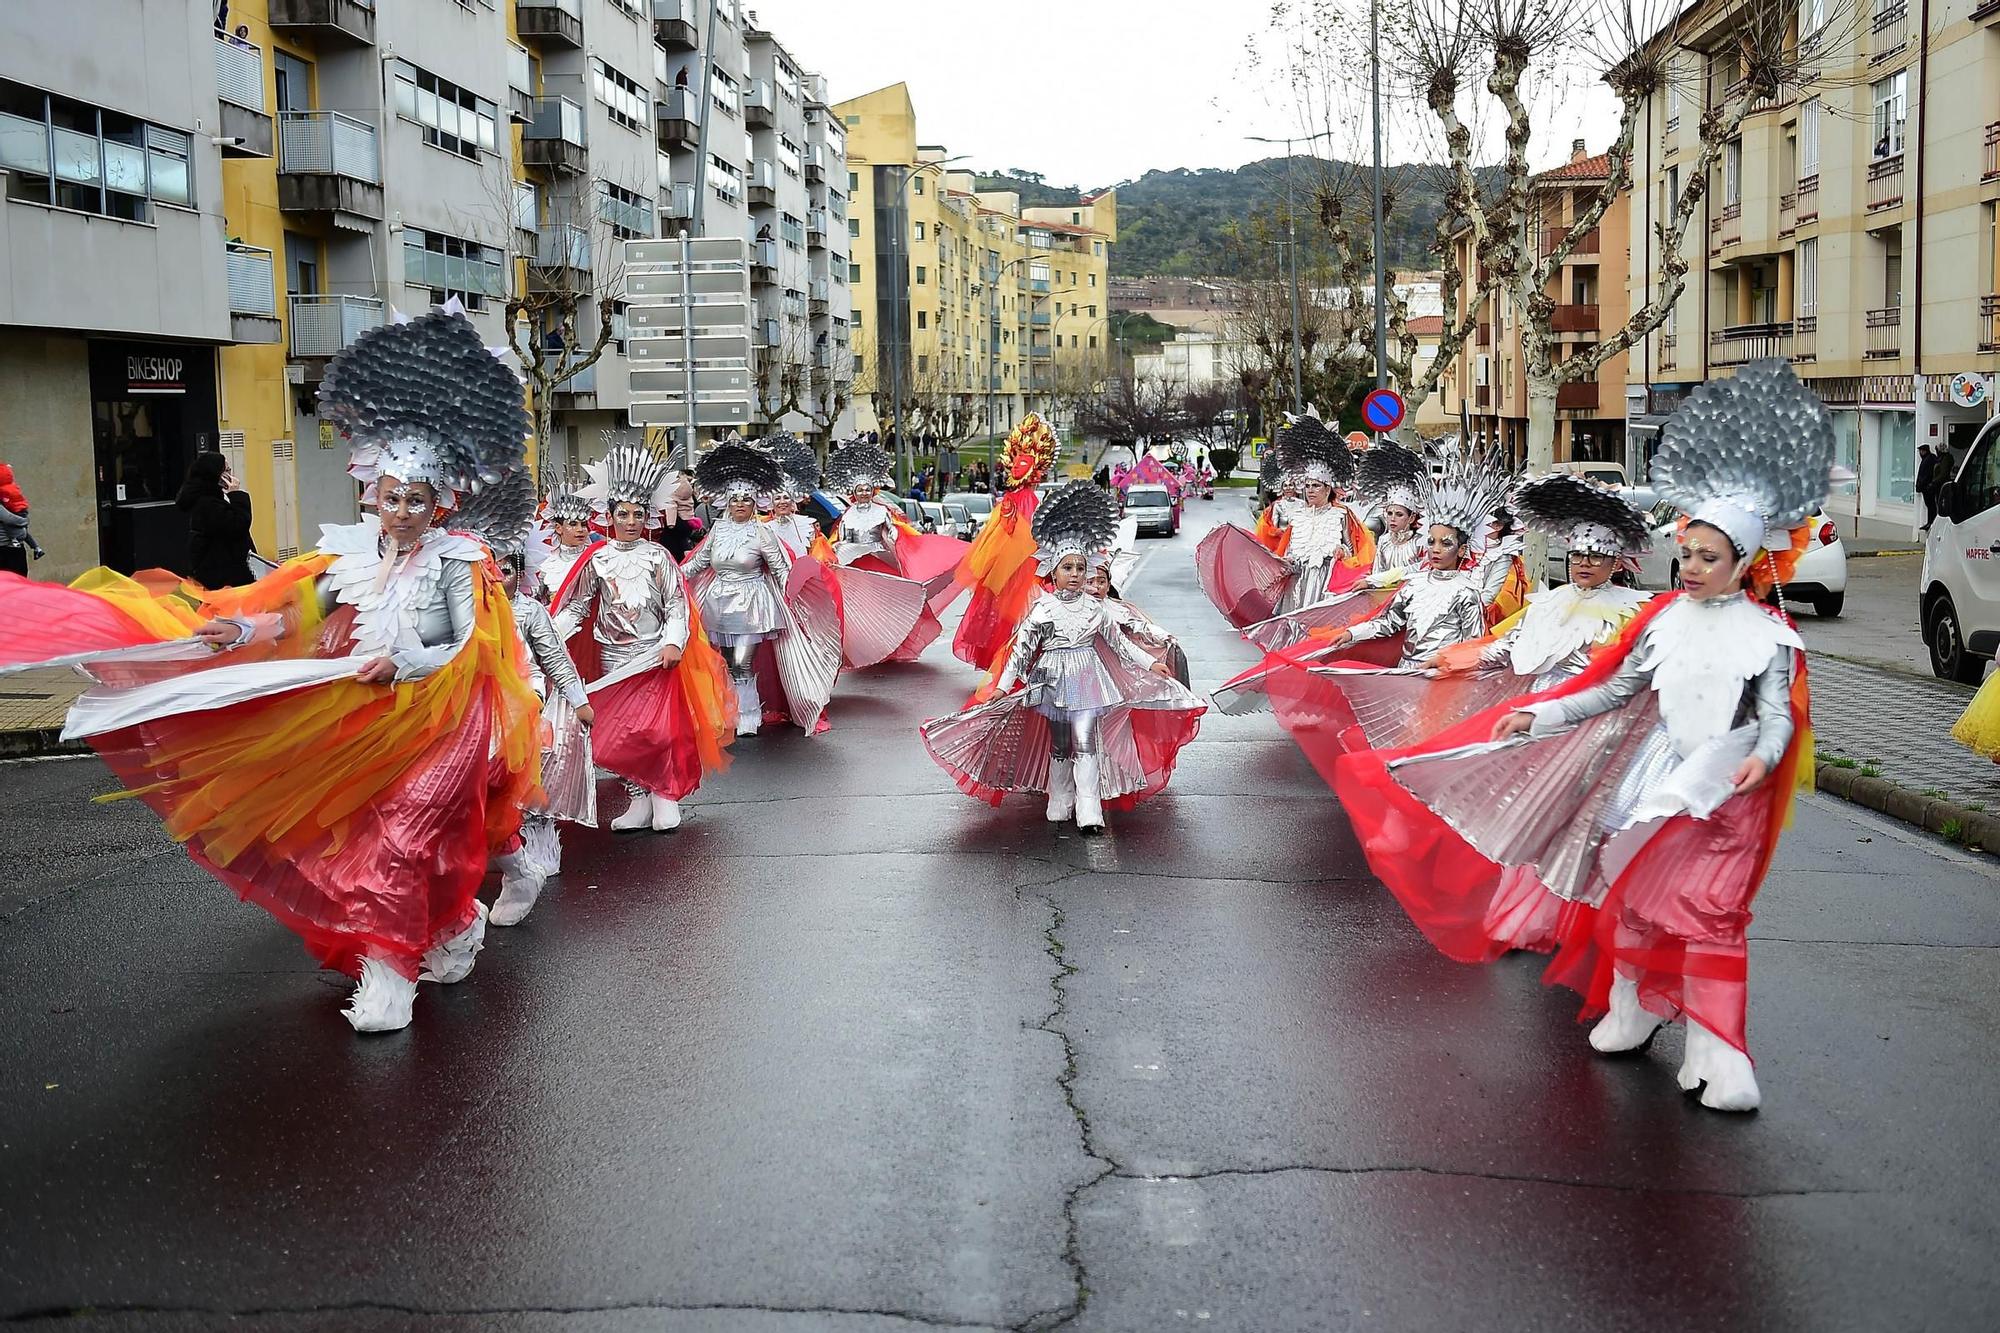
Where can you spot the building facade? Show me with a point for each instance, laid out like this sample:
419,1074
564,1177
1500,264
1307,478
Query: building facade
979,310
187,250
1488,386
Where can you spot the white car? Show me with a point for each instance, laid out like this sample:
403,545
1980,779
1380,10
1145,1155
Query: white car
1820,581
1960,584
1153,510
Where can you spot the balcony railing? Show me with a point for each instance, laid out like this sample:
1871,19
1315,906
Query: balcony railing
815,162
520,83
334,22
323,326
251,290
557,136
326,143
1805,338
557,21
1788,213
1727,228
1577,318
674,24
563,245
1889,14
1668,351
1885,333
239,73
578,381
1809,198
680,203
1989,323
1577,396
1585,248
1742,343
759,102
1885,182
1991,170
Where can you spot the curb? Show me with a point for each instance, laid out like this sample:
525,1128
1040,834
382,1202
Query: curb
1876,555
1977,830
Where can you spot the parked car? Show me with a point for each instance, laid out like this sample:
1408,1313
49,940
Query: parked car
961,519
978,504
947,520
1610,474
1960,583
913,510
1820,581
1153,510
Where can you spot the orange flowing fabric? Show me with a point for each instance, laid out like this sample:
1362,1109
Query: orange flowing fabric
1360,544
1275,539
1513,594
1000,570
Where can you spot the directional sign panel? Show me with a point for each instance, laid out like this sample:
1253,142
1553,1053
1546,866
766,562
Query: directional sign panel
673,383
707,347
714,315
667,284
660,254
728,412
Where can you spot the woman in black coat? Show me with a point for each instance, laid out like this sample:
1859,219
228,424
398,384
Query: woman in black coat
218,514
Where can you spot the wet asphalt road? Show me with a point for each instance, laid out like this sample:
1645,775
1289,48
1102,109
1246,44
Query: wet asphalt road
853,1052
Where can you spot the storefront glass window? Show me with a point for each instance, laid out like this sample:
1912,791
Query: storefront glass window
1847,452
1896,458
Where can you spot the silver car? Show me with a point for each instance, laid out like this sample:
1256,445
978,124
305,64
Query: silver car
1153,510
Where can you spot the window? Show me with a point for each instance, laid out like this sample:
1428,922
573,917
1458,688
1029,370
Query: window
1092,310
452,118
920,231
1093,340
791,231
1892,272
1673,103
69,154
922,275
1889,96
919,186
1812,17
1806,281
448,266
923,319
853,182
1732,172
1989,232
854,272
629,213
853,228
1809,138
1093,280
621,96
923,364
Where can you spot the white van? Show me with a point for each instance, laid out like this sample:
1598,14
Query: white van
1961,578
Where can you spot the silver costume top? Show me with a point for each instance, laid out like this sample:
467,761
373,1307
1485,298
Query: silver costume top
1556,635
1433,609
562,559
548,660
1136,623
865,529
639,597
797,532
418,611
1318,535
750,565
1058,622
1394,553
1715,665
1497,563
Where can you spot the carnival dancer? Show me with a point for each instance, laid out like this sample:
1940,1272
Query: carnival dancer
874,537
799,467
571,540
742,577
1063,714
1504,584
1391,476
1271,531
1000,566
664,714
362,741
1661,775
1139,627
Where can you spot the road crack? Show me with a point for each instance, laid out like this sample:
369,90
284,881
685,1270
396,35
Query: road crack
1502,1177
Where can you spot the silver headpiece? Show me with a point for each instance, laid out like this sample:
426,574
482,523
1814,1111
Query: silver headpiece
425,400
500,515
1588,518
1080,518
796,457
859,463
733,469
630,474
1465,493
1747,454
1390,474
1308,450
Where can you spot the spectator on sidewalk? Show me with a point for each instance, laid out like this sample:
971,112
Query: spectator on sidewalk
1931,474
218,513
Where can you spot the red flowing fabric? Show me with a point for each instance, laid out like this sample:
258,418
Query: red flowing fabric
1243,580
927,626
1000,569
645,731
1158,736
50,620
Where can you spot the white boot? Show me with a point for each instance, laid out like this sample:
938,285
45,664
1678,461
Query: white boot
1062,790
638,815
749,707
451,961
1089,804
1723,1073
1627,1027
666,815
381,1000
542,841
521,880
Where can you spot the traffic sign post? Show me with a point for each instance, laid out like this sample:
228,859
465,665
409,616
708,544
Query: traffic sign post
690,315
1383,410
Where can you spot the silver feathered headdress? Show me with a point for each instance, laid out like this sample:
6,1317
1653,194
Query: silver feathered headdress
630,474
1464,493
797,459
1747,454
500,515
1587,518
1308,450
859,463
1081,518
1390,474
734,468
424,400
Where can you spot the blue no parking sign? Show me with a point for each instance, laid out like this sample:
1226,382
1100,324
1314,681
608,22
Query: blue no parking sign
1382,410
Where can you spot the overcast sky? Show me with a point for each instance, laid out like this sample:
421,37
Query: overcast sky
1087,92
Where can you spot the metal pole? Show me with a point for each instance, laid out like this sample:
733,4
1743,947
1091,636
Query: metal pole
898,293
701,134
1292,232
687,337
1375,99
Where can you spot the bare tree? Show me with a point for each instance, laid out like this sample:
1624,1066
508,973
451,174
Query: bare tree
833,385
783,375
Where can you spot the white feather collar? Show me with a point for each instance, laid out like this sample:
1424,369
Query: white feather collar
388,607
1561,620
1700,654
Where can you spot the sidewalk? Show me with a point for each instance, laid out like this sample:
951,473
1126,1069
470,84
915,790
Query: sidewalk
1884,740
32,705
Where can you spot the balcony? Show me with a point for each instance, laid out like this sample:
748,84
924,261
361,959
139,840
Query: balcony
1727,227
578,383
1788,213
1743,343
764,262
760,104
675,119
1989,323
815,163
673,25
1805,338
821,290
765,332
1576,318
327,22
763,183
1585,251
679,205
1885,333
562,257
816,229
329,163
1040,319
1669,351
520,85
324,326
556,24
556,139
1808,199
1991,169
527,216
239,88
253,296
1577,396
1485,333
1885,183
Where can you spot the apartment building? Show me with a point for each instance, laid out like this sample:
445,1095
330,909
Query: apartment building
981,308
208,203
1489,385
1850,227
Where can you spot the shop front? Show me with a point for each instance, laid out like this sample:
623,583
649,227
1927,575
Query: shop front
152,409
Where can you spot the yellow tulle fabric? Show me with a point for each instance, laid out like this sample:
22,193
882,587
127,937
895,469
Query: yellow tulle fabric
1978,727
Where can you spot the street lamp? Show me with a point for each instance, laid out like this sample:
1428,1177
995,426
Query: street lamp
898,305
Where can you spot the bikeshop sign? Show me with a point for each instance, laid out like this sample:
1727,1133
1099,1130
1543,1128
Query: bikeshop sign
155,374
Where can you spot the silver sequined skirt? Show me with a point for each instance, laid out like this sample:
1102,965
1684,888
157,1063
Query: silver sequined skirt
741,610
1070,680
